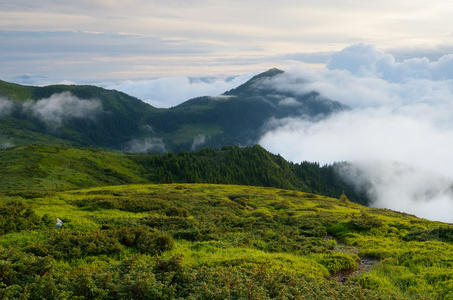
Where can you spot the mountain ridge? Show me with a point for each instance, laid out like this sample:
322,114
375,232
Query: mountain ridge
123,122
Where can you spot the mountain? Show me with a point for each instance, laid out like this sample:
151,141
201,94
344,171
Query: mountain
96,117
239,116
74,115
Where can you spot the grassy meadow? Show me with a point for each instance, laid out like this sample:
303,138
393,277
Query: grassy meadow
213,241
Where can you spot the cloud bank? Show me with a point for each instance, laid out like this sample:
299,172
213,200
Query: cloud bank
402,112
171,91
64,105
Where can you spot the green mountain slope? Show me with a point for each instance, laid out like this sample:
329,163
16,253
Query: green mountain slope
198,241
95,117
40,167
241,115
75,115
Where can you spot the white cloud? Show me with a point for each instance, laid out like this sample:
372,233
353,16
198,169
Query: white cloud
367,61
6,144
171,91
145,145
198,141
60,106
289,101
6,106
404,188
402,111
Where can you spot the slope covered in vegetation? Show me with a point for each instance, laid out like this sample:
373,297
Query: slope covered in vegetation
70,114
91,116
209,241
41,167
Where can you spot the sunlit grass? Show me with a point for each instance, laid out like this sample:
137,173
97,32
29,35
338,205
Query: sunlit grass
232,227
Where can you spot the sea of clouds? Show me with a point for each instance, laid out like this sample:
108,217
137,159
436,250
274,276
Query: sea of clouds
170,91
398,135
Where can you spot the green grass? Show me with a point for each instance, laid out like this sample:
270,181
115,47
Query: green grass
44,167
220,231
15,91
40,167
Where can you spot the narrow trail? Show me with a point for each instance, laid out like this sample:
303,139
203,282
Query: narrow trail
364,265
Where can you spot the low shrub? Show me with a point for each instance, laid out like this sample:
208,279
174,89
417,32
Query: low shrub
375,283
337,262
69,245
145,240
15,216
442,234
175,211
364,222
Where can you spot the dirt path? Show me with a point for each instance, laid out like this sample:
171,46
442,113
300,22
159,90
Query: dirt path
364,265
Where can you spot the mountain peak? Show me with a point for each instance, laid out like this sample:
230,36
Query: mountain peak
245,88
269,73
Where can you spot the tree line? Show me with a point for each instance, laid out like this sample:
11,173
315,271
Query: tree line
246,166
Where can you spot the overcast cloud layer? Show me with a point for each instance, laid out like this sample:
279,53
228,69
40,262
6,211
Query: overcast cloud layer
399,134
94,41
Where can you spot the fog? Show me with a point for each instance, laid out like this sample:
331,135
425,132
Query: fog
171,91
198,141
6,106
398,135
145,145
63,105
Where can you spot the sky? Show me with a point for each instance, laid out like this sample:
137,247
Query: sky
390,61
102,41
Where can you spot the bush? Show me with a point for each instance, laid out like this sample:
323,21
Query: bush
174,211
442,234
69,245
375,283
16,216
364,222
21,268
145,240
339,261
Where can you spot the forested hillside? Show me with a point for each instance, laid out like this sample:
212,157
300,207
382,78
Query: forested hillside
66,114
247,166
40,167
90,116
